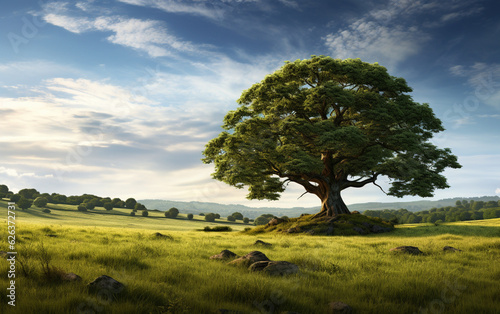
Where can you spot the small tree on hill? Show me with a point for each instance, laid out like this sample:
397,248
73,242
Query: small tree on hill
246,220
82,207
145,213
40,202
231,218
139,206
24,203
173,212
29,193
15,198
237,216
190,216
210,217
130,203
108,206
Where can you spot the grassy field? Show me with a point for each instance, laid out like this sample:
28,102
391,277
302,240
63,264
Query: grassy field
164,275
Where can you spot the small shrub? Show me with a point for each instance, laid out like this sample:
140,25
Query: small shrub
108,206
246,220
218,229
82,207
15,198
40,202
173,212
145,213
132,213
231,218
46,210
210,217
247,229
190,216
202,214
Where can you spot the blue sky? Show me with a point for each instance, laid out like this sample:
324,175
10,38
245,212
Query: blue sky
118,98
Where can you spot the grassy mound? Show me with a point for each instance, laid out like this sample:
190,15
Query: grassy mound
345,224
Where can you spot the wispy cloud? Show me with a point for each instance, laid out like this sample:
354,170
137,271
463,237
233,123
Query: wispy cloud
389,35
150,36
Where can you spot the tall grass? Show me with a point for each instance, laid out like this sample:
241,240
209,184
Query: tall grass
175,275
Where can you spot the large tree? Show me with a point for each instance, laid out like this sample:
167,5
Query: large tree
328,125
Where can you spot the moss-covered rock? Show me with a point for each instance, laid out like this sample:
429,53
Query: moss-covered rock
345,224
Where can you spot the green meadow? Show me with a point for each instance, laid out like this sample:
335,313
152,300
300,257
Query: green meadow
173,274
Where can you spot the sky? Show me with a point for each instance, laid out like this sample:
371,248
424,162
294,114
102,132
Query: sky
119,97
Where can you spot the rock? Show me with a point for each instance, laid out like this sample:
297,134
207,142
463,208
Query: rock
451,249
258,266
249,259
407,249
260,242
339,308
106,283
275,268
379,229
359,230
71,277
275,221
163,236
367,225
224,255
330,230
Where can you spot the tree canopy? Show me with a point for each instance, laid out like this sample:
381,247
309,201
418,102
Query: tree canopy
328,125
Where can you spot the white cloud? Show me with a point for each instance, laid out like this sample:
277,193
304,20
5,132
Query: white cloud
145,35
214,10
497,191
392,34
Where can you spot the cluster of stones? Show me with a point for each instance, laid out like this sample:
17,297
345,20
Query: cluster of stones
413,250
257,261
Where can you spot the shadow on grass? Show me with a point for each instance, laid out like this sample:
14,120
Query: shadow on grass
38,213
432,230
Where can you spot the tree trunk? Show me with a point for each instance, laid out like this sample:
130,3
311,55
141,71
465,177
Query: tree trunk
331,201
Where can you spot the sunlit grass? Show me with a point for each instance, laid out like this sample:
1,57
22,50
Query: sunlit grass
175,275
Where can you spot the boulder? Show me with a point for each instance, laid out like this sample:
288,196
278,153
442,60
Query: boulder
249,259
262,243
359,230
106,283
407,249
379,229
339,308
224,255
451,249
275,268
275,221
71,277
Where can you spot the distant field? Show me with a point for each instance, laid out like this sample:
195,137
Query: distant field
99,217
176,276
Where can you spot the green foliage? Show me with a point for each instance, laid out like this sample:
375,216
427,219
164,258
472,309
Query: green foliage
463,211
15,198
210,217
82,207
173,212
40,202
237,215
263,219
190,216
132,213
108,206
4,189
29,193
46,210
145,213
246,220
89,205
231,218
139,206
130,203
24,203
328,120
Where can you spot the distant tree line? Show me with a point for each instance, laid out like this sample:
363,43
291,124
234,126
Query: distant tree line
462,211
